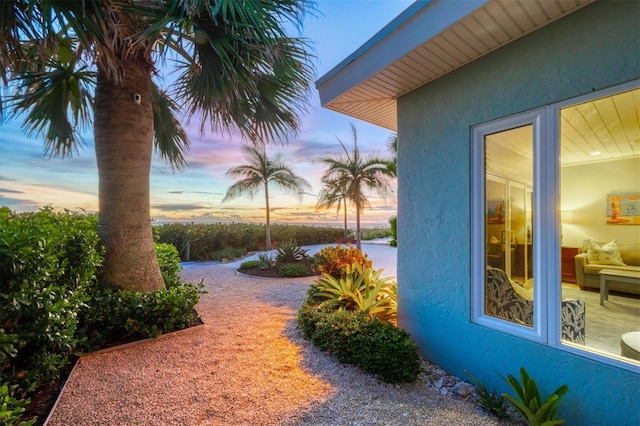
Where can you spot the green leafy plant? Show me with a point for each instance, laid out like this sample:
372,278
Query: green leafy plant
266,260
529,403
293,270
249,264
375,346
393,221
289,252
169,261
490,400
359,290
12,408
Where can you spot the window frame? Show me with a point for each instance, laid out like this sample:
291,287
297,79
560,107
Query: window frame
546,227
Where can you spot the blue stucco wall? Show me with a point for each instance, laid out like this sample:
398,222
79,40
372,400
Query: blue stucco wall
594,48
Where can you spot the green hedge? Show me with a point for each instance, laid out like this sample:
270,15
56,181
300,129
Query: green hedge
201,241
52,306
377,347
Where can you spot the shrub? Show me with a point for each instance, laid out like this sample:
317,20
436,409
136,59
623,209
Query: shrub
249,264
376,347
169,262
334,259
359,290
289,251
11,408
293,270
200,241
228,253
370,234
393,221
47,262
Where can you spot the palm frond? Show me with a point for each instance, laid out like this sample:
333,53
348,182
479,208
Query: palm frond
170,138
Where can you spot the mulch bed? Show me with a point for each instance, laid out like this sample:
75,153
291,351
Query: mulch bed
274,272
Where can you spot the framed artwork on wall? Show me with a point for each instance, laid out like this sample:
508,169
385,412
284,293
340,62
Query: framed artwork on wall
623,208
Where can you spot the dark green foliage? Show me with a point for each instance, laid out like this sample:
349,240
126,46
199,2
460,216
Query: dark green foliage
393,221
201,240
293,270
377,347
289,251
51,306
490,400
120,314
249,264
47,262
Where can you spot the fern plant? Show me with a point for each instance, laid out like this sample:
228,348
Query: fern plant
530,404
359,290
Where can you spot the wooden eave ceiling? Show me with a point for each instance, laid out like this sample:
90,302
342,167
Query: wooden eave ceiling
489,27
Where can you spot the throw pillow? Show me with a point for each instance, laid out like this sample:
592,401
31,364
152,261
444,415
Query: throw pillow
606,254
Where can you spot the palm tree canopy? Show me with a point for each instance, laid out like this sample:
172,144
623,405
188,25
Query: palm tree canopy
333,192
359,174
72,64
261,171
236,66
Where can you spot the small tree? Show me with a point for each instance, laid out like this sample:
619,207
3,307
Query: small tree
258,174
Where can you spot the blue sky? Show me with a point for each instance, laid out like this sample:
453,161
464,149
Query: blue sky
30,179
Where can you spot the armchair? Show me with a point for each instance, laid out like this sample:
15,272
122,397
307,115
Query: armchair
502,301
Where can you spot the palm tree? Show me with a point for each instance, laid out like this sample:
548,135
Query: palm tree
334,192
360,175
257,174
392,149
70,64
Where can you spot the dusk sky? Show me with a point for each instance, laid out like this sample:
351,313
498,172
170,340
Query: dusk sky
29,179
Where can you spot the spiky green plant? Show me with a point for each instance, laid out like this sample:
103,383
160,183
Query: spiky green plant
490,400
530,404
359,290
266,260
289,252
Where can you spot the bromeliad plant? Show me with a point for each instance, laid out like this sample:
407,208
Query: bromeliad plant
530,404
334,260
359,289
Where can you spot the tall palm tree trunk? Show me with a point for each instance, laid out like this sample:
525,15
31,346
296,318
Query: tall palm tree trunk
346,231
358,243
123,139
268,231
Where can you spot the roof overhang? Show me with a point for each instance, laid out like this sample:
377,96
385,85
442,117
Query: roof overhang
426,41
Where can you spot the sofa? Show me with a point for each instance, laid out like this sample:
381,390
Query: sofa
597,255
513,302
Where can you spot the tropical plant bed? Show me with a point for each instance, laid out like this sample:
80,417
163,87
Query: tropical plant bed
44,399
276,270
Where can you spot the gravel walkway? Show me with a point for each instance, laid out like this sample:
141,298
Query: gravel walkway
248,365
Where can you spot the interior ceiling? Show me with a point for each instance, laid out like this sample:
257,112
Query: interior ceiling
600,130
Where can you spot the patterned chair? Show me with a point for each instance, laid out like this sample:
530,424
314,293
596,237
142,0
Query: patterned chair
502,301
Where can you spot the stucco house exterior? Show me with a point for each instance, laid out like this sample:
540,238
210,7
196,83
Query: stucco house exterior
518,127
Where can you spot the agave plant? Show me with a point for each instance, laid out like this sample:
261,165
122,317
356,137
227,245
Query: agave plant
359,290
535,411
290,252
266,260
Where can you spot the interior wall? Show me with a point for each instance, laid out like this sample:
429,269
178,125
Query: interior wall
583,192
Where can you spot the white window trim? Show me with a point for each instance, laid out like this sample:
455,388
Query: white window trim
546,226
538,332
